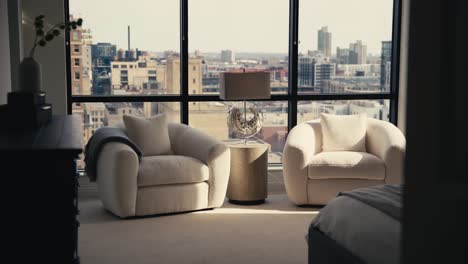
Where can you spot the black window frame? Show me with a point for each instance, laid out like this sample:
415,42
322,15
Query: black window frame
292,97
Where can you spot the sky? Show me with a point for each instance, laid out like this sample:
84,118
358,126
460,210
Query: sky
239,25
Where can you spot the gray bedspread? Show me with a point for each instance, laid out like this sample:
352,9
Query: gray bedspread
386,198
366,221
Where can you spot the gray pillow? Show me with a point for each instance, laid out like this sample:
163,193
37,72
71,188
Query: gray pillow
151,135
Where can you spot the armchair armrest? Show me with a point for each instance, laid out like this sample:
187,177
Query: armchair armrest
386,141
303,142
117,170
191,142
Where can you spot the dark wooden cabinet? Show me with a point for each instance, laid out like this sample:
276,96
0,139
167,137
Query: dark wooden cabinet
39,191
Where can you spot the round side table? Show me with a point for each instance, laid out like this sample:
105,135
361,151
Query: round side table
249,173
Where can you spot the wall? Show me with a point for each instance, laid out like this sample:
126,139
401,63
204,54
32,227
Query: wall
5,73
435,198
51,57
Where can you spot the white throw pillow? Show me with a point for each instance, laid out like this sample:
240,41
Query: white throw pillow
344,132
151,135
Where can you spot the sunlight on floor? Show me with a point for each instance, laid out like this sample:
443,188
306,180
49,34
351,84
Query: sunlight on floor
255,211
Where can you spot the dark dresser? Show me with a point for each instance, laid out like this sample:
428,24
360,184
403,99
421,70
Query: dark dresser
39,191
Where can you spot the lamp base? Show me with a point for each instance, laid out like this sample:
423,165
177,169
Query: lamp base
245,124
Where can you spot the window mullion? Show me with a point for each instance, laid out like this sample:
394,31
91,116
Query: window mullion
184,60
293,53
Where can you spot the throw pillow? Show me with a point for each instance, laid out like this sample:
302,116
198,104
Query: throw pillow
344,132
151,135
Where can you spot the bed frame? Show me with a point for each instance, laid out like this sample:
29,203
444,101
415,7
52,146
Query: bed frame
325,250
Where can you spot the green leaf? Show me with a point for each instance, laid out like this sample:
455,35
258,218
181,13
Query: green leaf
79,22
62,26
42,43
56,32
40,32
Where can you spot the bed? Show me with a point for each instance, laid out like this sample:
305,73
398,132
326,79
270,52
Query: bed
360,226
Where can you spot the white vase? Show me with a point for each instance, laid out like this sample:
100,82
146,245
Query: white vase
30,77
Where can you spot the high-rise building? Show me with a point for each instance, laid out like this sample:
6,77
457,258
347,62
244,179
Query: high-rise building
173,75
312,73
80,40
102,84
357,53
93,119
324,41
137,76
228,56
385,65
323,71
102,54
305,72
342,56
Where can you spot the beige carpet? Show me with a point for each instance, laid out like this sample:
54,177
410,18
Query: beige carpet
269,233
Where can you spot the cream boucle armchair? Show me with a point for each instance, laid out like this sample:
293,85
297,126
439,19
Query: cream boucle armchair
313,177
194,177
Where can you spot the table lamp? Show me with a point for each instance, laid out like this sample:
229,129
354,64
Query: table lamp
244,86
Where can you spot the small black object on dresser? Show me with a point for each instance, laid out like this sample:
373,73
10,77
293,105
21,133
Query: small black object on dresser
26,110
39,194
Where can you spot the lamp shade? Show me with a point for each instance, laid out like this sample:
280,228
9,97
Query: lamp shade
244,85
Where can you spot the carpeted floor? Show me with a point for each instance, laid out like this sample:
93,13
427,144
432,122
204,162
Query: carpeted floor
269,233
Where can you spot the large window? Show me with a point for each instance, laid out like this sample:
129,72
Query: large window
143,41
345,46
332,56
224,35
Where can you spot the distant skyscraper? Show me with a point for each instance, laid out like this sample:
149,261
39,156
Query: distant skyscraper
102,54
312,72
173,75
305,72
228,56
322,72
358,53
385,65
81,61
324,41
342,56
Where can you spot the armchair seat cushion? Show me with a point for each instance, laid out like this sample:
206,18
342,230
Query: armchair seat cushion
346,165
171,169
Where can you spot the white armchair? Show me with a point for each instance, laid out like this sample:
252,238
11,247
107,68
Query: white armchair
194,177
313,177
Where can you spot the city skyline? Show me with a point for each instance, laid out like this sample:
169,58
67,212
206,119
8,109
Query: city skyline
213,31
